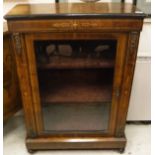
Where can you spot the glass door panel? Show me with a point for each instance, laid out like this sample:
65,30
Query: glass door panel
75,81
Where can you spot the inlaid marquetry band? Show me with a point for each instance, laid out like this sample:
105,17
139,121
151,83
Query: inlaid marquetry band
75,24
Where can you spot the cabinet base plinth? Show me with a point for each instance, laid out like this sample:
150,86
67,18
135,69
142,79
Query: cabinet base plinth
57,143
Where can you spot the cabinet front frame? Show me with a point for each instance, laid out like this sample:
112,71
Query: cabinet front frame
34,88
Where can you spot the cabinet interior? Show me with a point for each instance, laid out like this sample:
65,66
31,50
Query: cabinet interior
75,82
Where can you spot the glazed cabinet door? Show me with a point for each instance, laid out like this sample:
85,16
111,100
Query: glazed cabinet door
71,82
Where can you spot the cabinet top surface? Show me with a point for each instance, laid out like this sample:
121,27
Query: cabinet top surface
74,10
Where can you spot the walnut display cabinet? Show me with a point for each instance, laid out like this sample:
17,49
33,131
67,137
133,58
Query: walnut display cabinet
75,63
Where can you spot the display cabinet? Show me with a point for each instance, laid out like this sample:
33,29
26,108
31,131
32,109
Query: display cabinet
75,65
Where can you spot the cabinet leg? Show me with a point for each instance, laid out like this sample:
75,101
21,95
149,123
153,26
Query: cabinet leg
31,151
121,150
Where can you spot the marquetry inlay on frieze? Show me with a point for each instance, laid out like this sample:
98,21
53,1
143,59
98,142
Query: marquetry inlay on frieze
75,24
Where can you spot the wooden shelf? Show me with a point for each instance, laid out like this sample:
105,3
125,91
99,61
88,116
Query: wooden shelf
64,62
76,86
76,92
